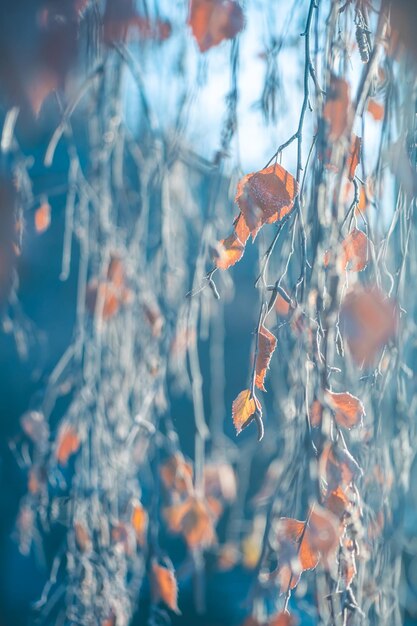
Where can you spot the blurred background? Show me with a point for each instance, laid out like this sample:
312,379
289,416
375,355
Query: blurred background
125,130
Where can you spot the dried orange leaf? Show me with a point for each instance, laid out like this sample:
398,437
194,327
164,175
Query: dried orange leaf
266,196
369,319
212,21
365,192
354,157
194,519
316,414
282,307
243,408
139,521
336,109
175,514
338,503
323,531
227,557
104,293
39,88
109,294
355,251
376,109
198,525
37,479
337,467
267,342
294,540
230,251
281,619
349,410
295,552
164,586
67,444
82,537
42,218
363,200
241,229
177,474
123,535
287,578
251,620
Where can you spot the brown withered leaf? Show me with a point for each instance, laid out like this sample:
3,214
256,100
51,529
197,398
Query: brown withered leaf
354,157
348,409
266,196
295,552
212,21
164,586
194,519
177,474
267,342
42,218
243,408
295,534
355,251
230,251
68,443
121,19
368,320
336,109
302,544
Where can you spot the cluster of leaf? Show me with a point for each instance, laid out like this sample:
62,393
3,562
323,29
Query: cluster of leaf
342,327
91,470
